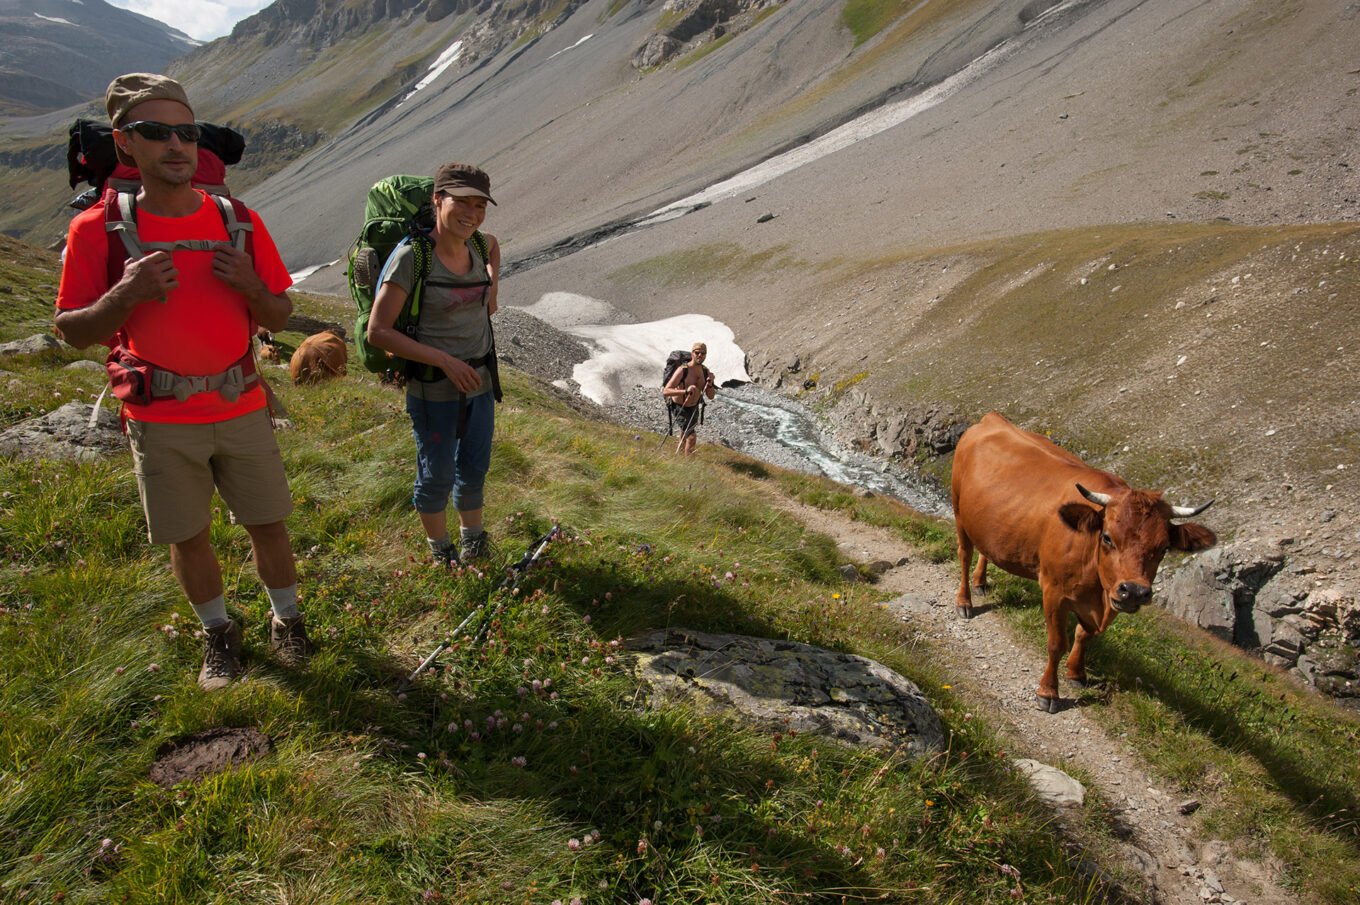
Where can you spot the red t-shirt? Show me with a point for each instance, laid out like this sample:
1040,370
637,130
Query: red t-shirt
204,326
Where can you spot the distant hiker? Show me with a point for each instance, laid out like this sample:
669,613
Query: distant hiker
687,391
452,401
154,276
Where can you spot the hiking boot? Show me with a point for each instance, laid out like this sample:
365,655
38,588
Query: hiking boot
446,558
288,639
221,656
475,547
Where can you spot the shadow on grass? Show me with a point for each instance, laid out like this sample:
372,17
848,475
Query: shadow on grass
1294,772
1187,689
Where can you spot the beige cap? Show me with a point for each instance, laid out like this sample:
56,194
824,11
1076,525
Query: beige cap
127,91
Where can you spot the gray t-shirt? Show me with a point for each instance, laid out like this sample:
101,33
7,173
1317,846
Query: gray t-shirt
452,316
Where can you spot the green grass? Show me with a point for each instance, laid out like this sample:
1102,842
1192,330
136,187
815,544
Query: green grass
866,18
371,797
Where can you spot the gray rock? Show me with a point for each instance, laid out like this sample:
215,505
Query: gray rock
849,572
1217,590
65,434
1051,784
657,50
1189,806
84,364
39,342
785,685
878,567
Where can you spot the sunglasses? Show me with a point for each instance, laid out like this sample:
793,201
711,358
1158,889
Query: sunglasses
189,133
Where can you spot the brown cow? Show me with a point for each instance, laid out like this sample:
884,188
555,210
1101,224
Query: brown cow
319,357
1092,542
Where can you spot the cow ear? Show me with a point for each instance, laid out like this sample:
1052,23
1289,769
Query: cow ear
1080,517
1192,538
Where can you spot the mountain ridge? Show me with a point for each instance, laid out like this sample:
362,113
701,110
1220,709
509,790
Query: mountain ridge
44,38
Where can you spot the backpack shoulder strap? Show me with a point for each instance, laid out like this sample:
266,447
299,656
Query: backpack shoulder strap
120,223
482,246
236,217
424,252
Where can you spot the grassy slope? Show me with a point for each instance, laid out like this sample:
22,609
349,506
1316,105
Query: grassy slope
348,809
368,797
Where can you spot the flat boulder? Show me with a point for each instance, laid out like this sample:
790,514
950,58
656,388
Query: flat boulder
784,685
65,434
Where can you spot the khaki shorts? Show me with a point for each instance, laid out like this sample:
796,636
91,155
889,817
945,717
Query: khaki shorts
177,466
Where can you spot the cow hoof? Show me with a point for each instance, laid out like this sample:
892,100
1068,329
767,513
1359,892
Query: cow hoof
981,589
1080,683
963,612
1048,705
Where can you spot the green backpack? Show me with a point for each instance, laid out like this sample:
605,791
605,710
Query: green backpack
398,210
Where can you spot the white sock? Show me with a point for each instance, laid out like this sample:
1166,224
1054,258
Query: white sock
283,601
470,533
213,613
439,544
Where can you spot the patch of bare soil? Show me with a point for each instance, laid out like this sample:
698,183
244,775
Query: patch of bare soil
208,752
996,674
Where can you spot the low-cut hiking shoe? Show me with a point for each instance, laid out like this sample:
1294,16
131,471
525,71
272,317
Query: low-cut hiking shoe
288,639
446,558
221,656
478,546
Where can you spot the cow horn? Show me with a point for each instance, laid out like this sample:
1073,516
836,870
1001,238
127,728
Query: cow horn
1187,511
1100,499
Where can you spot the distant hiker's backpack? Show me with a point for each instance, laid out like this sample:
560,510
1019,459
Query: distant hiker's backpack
674,362
398,211
90,158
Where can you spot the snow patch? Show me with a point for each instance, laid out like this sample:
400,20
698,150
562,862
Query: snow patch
444,61
623,356
305,272
59,21
574,46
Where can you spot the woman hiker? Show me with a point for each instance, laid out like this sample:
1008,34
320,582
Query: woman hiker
451,404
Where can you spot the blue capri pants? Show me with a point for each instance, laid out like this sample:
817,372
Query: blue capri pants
446,463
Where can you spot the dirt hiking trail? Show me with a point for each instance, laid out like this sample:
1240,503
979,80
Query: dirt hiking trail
996,674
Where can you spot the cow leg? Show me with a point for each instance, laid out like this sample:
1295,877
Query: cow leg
1055,619
1076,660
980,585
963,603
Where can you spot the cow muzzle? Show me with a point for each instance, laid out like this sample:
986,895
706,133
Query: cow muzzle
1130,596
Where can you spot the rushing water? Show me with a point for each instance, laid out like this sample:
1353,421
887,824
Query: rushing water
783,432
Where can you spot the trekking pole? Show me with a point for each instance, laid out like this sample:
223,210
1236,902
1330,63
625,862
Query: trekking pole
512,579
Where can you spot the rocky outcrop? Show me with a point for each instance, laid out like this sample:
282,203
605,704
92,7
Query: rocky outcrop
271,143
686,24
1250,594
321,23
786,686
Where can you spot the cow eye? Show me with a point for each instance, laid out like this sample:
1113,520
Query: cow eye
1106,539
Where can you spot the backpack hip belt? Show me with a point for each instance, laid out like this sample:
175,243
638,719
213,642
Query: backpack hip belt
231,383
140,382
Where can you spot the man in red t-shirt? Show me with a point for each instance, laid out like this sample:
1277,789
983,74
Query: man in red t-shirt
183,317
